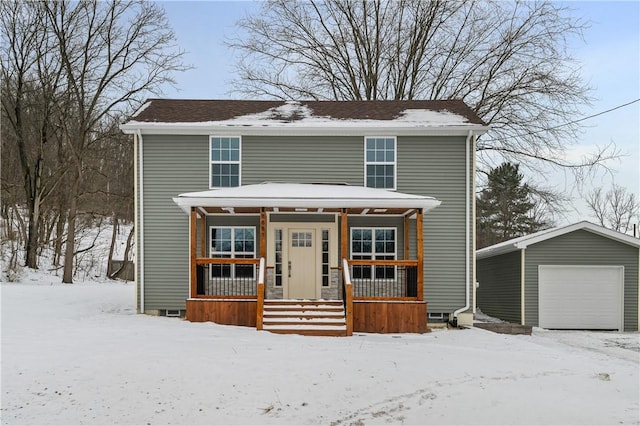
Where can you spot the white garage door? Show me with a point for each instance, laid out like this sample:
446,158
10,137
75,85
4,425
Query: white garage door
580,297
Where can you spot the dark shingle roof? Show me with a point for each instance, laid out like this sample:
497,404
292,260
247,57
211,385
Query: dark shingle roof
194,111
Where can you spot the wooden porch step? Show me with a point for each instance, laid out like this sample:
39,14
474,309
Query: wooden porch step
309,303
304,312
307,306
294,324
304,320
310,332
306,317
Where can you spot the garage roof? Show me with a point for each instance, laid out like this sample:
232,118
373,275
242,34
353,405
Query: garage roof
527,240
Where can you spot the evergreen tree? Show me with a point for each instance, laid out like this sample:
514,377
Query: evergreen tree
505,208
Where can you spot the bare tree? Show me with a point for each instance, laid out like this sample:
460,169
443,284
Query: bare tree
112,53
615,209
69,71
508,60
31,77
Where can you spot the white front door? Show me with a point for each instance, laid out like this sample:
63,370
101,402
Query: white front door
302,264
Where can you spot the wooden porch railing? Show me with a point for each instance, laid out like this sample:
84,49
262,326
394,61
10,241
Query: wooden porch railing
386,279
347,296
226,278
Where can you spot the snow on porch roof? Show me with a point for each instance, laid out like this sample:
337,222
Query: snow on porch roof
304,196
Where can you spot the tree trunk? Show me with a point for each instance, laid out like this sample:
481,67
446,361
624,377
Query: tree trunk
114,234
31,247
57,245
67,275
21,225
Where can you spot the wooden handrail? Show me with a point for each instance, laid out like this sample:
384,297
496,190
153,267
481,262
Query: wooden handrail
260,295
369,262
227,261
348,297
346,272
261,270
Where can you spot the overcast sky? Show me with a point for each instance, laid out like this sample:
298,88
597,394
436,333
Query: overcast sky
609,53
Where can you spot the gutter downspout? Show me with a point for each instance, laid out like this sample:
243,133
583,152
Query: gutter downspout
140,260
522,283
467,225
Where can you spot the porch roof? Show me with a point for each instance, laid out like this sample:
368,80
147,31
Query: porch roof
300,195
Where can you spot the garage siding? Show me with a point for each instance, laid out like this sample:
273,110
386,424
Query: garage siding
499,291
582,248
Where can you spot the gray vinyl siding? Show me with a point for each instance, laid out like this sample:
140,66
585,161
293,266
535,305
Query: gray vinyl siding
172,165
499,291
328,159
582,248
435,166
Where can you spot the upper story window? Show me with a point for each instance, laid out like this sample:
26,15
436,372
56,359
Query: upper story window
380,162
225,161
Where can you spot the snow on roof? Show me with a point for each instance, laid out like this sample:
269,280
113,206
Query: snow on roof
265,116
547,234
301,195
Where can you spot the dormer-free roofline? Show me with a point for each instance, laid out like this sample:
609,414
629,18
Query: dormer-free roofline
293,118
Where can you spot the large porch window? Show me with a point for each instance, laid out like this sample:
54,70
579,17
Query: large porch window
373,244
233,242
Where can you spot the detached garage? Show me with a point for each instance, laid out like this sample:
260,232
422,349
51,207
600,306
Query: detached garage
580,276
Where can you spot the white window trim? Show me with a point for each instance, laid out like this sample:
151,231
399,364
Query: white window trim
233,251
373,246
395,160
239,162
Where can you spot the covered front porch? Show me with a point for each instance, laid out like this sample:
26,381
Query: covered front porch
307,258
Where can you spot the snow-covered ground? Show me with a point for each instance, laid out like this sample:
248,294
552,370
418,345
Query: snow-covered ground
78,354
92,245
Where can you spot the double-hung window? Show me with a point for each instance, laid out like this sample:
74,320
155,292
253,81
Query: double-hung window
373,244
225,161
380,162
233,242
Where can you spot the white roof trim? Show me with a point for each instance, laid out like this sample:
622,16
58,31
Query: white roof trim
304,195
387,129
527,240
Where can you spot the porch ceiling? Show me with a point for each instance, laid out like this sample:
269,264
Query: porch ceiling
256,210
296,197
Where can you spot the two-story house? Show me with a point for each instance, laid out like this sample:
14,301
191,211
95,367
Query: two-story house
321,217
